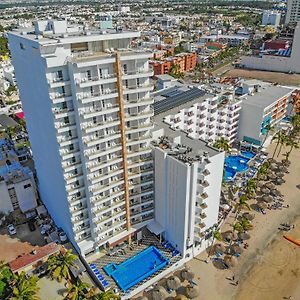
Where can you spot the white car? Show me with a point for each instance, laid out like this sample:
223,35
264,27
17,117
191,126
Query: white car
11,229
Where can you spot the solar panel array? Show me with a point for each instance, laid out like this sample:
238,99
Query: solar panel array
177,100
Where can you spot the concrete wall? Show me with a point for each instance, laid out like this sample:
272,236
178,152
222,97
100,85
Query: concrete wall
30,69
5,201
26,195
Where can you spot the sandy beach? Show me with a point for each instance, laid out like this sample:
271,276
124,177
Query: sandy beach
270,267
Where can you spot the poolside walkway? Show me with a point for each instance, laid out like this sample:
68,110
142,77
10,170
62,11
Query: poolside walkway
147,240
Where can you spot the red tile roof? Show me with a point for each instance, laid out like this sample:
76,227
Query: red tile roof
30,258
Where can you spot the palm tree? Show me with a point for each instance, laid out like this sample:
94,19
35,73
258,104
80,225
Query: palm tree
25,288
109,295
283,141
242,203
279,137
242,225
59,265
269,129
251,186
222,143
79,291
293,144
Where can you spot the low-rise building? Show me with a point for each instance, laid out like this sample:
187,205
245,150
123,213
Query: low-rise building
262,104
230,40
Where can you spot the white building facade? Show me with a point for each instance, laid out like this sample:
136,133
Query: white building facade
88,113
271,18
293,11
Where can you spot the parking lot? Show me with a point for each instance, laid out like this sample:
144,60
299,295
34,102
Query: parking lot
22,242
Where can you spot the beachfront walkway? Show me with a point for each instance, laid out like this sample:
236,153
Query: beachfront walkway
213,282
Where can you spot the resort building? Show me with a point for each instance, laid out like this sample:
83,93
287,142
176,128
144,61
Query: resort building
188,180
86,97
262,104
293,11
17,184
283,60
200,115
271,18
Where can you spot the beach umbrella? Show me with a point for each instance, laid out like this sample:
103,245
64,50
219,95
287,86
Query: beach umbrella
180,297
173,282
159,293
272,176
248,216
267,199
273,166
235,248
280,181
283,169
219,248
265,190
142,298
230,235
244,236
280,175
270,185
187,275
271,160
276,193
261,184
230,261
192,292
262,205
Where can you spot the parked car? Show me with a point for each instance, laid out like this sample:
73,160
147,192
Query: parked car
31,225
62,235
11,229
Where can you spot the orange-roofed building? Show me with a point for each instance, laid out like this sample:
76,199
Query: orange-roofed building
35,258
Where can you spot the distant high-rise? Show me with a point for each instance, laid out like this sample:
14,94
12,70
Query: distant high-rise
86,97
293,11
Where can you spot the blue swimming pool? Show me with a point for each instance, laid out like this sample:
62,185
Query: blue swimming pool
237,163
137,268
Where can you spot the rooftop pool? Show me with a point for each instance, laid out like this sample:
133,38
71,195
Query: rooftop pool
237,163
136,268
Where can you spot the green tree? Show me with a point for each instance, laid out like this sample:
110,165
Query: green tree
242,225
109,295
241,204
251,186
25,288
279,137
175,71
222,144
294,144
59,265
79,291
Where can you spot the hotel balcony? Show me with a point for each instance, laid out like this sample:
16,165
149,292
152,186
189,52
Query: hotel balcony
89,127
138,102
90,112
66,140
62,112
93,140
63,127
97,200
58,82
94,153
139,73
91,81
60,97
137,89
92,97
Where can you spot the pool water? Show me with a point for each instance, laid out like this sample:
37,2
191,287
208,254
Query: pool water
248,154
137,268
237,163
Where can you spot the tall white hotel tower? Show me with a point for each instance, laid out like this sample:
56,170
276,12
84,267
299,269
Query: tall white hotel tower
89,117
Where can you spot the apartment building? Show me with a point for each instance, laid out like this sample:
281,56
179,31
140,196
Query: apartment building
202,116
17,184
293,11
262,104
188,180
271,17
86,97
186,62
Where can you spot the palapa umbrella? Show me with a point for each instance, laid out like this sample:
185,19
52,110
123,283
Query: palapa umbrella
270,185
244,236
159,293
248,216
230,235
280,181
262,205
173,282
261,184
271,160
235,248
265,190
180,297
142,298
192,292
280,175
219,248
273,166
275,192
187,275
283,169
272,176
230,261
267,199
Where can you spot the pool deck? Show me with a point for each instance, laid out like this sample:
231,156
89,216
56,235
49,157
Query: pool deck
117,259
